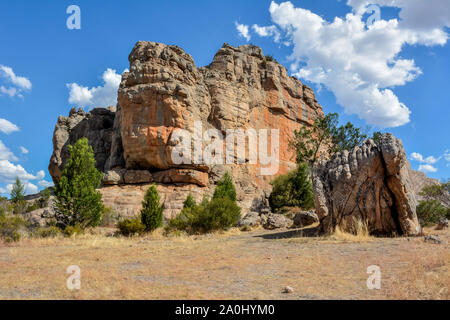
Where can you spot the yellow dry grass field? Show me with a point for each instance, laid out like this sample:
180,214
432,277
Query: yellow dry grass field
230,265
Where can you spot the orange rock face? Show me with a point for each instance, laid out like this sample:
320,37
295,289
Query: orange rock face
164,92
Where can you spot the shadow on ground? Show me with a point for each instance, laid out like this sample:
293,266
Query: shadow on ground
297,233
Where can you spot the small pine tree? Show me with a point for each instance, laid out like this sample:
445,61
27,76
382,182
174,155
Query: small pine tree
225,188
77,201
293,190
152,211
189,202
17,192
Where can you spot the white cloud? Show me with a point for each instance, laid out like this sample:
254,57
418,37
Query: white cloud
18,84
9,172
243,31
29,188
45,184
359,64
429,160
8,127
427,168
101,96
40,175
21,82
3,191
447,155
6,154
270,31
24,150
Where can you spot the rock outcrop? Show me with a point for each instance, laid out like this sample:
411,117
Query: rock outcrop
370,185
165,91
96,126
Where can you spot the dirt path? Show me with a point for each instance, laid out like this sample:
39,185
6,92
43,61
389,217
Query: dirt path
235,265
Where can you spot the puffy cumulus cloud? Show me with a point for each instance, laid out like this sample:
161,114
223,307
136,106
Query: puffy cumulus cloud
243,30
40,175
360,64
45,184
9,172
17,84
427,168
29,188
6,154
420,16
24,150
419,158
270,31
101,96
8,127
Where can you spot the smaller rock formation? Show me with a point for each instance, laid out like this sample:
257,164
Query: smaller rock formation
277,221
96,126
368,185
305,219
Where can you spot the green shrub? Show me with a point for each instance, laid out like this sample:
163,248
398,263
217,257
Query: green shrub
32,207
11,226
72,230
189,202
77,202
49,232
225,188
293,190
131,227
431,211
152,211
44,199
217,214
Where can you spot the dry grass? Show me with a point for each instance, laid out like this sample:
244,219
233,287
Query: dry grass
225,265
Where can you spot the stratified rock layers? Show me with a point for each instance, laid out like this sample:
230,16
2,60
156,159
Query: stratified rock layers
371,186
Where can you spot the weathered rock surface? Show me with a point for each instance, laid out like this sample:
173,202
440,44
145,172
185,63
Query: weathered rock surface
369,185
277,221
250,220
305,219
96,126
165,91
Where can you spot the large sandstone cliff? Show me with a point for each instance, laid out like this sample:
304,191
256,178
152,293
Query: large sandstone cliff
164,91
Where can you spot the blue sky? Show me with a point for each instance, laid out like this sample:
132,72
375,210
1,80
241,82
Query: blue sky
401,65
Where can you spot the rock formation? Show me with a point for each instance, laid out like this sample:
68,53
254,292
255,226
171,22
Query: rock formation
370,185
165,91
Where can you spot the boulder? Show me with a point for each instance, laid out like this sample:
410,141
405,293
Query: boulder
252,219
305,219
277,221
114,177
368,185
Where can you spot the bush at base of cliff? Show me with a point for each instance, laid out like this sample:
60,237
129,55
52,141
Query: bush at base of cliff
131,227
209,216
431,211
152,211
292,190
78,203
48,232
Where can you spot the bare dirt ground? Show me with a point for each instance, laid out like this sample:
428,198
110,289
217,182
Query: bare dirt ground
232,265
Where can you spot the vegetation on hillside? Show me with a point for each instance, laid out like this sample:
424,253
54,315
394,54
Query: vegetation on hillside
219,213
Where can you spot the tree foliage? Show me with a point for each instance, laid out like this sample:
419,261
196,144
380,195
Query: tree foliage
152,210
293,190
225,188
325,138
78,203
17,191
